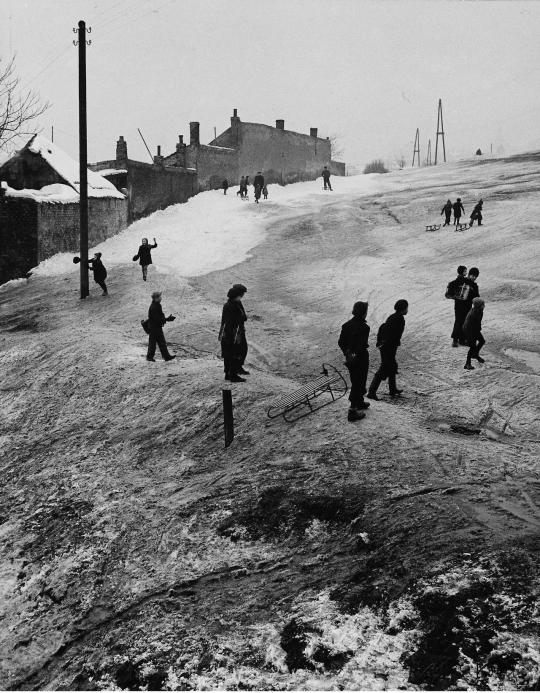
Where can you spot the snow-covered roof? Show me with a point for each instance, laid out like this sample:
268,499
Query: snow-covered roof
56,193
68,169
111,171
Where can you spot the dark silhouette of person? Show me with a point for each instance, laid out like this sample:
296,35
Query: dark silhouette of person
388,341
258,185
458,208
447,211
156,320
477,213
246,183
144,256
265,191
456,291
472,328
232,335
353,342
242,186
225,186
326,178
100,273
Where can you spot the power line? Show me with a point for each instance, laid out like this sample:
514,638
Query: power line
134,19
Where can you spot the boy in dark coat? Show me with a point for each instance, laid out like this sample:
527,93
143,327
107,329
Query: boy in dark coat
225,186
156,320
447,211
392,332
265,191
472,328
353,342
477,214
100,273
232,335
241,187
458,208
455,291
144,256
326,178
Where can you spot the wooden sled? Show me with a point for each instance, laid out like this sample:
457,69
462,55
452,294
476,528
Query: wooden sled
330,383
433,227
461,227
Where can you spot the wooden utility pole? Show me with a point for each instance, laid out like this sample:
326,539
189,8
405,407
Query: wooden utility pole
416,147
440,131
428,158
83,159
52,133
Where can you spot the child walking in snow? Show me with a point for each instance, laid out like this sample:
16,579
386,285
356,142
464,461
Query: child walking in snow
144,256
472,329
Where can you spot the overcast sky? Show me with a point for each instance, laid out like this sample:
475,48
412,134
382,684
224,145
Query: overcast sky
370,72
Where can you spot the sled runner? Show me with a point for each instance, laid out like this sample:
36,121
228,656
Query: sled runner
330,382
433,227
461,227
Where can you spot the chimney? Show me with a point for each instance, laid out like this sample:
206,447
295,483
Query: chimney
280,124
121,151
158,159
235,128
181,152
313,132
194,134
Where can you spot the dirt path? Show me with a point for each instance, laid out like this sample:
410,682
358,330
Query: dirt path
136,550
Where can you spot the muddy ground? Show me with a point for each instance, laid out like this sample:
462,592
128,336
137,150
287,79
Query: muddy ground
398,552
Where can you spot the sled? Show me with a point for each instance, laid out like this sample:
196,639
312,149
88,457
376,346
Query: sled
310,397
461,227
433,227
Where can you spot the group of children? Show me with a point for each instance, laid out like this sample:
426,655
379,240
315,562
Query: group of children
259,187
468,313
458,208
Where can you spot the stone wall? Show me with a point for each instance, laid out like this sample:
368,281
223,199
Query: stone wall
337,168
213,165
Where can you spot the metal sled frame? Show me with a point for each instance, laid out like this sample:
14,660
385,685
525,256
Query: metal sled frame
461,227
331,382
433,227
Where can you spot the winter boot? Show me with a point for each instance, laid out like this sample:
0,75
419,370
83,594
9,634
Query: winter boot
455,343
354,415
236,379
468,366
480,359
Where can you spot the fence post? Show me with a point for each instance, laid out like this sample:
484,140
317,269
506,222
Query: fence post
228,420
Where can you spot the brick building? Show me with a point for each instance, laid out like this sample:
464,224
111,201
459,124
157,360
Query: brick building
39,207
283,156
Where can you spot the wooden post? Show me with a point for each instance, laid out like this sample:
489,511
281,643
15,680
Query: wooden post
228,419
83,164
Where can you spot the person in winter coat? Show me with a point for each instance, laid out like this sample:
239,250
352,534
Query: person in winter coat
474,290
472,327
326,178
156,320
265,191
100,273
455,291
447,211
258,185
242,186
477,214
232,335
225,186
388,341
144,256
458,208
353,342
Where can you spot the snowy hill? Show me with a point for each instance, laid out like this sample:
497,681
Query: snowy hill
399,551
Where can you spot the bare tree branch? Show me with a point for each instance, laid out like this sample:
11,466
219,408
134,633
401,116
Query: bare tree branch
18,108
335,143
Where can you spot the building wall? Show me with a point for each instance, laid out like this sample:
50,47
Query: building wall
28,170
281,155
58,224
18,237
149,186
213,165
337,168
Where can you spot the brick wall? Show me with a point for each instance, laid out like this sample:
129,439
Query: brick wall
213,165
18,237
149,186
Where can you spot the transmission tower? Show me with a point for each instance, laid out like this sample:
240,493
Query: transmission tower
416,147
428,158
440,131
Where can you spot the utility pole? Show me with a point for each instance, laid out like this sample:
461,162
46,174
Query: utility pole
440,131
215,132
428,159
83,158
416,147
52,133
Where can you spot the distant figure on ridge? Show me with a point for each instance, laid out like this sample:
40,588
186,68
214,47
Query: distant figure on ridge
477,213
225,186
144,256
232,335
100,273
326,178
388,341
458,290
156,320
353,342
472,328
458,208
447,210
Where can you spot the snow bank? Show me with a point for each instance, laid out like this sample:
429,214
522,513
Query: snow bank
56,193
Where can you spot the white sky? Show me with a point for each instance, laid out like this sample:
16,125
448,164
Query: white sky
371,72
